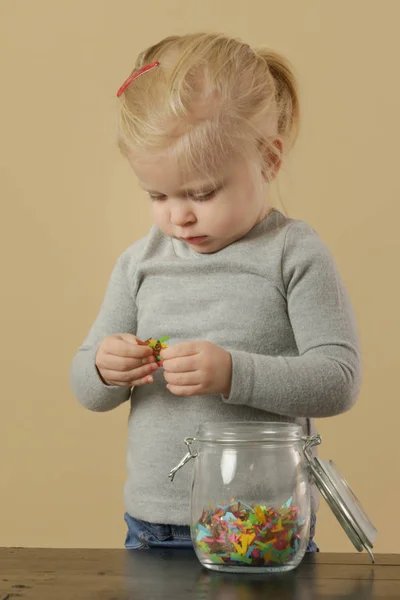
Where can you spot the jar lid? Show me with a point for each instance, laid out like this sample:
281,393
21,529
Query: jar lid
341,499
244,432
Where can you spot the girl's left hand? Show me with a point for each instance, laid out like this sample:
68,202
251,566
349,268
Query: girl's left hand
197,368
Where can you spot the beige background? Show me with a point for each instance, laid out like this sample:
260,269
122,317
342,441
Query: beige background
70,206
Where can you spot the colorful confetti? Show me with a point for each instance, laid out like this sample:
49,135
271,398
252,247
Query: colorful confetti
156,345
256,536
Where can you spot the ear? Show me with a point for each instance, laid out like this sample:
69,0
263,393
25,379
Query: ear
271,159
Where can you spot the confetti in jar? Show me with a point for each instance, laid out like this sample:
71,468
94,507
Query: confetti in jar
253,535
263,472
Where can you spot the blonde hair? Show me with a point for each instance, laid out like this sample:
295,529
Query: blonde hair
212,97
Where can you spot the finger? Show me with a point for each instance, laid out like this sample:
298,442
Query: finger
180,350
128,337
149,359
182,379
189,390
138,382
122,363
120,347
143,381
126,377
186,364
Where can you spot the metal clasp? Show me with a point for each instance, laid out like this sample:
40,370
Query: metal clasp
310,443
188,441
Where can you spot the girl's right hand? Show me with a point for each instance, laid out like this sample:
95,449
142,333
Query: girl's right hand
121,361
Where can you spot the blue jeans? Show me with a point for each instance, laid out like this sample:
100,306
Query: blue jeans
143,535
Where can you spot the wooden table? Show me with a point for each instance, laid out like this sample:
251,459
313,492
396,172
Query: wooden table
44,574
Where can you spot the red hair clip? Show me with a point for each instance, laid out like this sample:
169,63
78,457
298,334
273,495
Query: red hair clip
135,75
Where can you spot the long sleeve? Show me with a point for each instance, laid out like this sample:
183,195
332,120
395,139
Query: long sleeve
117,315
324,379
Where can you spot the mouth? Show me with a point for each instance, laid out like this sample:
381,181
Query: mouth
195,240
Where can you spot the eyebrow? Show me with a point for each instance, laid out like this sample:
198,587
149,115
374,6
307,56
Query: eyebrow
192,191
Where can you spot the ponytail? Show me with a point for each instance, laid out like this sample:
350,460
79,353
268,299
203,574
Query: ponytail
286,95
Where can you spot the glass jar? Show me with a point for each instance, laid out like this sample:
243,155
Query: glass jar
250,496
250,501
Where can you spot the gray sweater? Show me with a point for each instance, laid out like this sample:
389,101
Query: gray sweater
273,299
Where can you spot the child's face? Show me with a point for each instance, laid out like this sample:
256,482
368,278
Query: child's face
217,213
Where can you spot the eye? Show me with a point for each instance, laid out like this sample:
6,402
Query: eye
207,196
156,197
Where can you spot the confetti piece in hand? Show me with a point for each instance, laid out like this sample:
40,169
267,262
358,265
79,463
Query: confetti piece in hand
156,345
253,535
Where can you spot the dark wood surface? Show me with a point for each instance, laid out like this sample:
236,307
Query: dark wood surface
44,574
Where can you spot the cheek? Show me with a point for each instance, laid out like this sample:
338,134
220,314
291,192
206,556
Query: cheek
159,214
231,211
221,219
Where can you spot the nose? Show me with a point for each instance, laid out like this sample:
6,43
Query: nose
181,213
